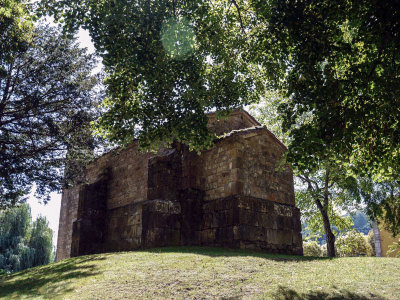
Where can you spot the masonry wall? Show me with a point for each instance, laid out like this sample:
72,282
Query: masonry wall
237,120
127,171
232,195
260,173
68,214
249,201
251,223
218,169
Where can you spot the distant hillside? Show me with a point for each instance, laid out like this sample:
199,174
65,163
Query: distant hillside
361,224
197,273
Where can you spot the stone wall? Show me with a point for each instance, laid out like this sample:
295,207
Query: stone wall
245,162
68,214
261,175
127,170
237,120
251,223
231,195
218,169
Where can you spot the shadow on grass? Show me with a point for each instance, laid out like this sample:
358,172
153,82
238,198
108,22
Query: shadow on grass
48,281
214,251
284,293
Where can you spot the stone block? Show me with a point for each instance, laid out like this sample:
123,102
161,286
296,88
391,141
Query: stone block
231,195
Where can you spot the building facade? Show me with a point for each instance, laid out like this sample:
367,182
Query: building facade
232,195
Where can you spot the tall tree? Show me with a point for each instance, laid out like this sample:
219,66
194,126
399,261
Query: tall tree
168,62
41,239
324,194
338,61
323,199
383,202
48,99
23,244
15,31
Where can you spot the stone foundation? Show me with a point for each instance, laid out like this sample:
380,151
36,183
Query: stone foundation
233,195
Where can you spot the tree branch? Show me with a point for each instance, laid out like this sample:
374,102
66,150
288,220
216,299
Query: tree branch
239,14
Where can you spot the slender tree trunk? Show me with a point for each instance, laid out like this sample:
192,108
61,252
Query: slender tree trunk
330,237
323,209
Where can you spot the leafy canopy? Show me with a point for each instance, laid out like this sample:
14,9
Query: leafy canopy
23,243
47,101
167,62
338,62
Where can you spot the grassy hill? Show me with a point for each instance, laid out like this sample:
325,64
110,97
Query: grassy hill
198,273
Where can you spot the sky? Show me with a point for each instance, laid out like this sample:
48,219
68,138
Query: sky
52,209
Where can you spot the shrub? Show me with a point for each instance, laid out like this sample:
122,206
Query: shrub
371,242
311,248
352,243
23,243
395,248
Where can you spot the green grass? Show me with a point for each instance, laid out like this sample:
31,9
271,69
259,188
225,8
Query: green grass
198,273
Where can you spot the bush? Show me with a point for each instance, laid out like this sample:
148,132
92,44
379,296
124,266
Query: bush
324,250
352,243
395,249
371,242
23,243
311,248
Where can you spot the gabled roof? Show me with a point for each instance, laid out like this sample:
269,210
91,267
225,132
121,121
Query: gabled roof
235,112
251,125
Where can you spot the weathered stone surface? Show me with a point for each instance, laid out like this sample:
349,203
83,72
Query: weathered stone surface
231,195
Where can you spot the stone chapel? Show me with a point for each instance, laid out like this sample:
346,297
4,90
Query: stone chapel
232,195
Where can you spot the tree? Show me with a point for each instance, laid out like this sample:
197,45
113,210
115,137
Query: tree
311,248
338,62
353,243
323,199
395,249
47,101
168,62
323,195
383,202
371,242
41,240
15,30
23,244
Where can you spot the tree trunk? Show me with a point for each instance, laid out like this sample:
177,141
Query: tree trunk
330,237
323,208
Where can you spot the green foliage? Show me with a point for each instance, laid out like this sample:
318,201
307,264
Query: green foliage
41,240
47,101
340,201
395,248
23,244
383,202
371,242
15,30
352,243
311,248
266,112
337,63
167,63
